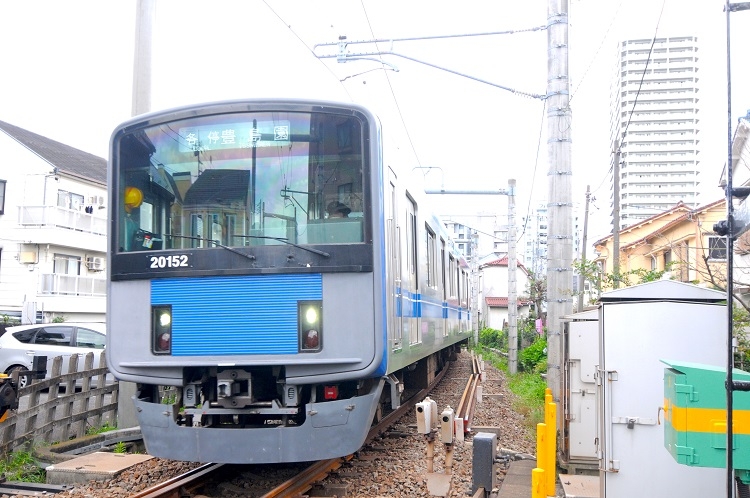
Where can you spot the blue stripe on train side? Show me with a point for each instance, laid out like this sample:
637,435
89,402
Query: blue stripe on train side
235,315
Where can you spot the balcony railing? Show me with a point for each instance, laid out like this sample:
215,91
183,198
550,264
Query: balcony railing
54,216
57,284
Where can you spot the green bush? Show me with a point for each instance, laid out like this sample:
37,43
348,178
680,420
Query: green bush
493,338
530,358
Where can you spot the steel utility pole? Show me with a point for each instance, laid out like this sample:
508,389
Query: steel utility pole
616,216
512,264
560,238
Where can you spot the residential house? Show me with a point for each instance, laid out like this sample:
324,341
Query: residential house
680,240
493,298
53,224
741,178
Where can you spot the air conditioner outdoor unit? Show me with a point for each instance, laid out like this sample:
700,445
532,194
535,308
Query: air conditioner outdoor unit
95,263
95,200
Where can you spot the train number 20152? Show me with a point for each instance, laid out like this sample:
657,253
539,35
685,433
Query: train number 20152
175,261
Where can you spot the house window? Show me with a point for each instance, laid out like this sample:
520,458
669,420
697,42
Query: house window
69,200
2,196
67,265
717,248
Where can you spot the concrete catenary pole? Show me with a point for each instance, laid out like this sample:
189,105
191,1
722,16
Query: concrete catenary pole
126,416
560,237
144,23
512,283
581,278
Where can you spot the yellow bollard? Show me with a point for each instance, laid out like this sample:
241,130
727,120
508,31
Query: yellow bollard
541,457
537,483
550,418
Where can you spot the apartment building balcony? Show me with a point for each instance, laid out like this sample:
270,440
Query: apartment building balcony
56,284
665,83
63,227
71,295
674,108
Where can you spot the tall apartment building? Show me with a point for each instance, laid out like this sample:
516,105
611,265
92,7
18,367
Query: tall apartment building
536,230
535,249
655,117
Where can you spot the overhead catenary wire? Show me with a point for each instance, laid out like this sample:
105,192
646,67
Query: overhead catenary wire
533,176
308,48
393,93
596,54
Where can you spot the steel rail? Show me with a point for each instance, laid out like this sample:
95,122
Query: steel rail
177,486
319,470
465,409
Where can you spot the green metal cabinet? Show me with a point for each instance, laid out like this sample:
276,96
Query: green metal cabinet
695,416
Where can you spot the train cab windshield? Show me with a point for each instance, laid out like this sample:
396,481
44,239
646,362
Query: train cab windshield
241,179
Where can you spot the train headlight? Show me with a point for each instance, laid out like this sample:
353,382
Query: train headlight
310,326
161,329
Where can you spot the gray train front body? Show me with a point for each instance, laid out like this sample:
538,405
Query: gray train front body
271,281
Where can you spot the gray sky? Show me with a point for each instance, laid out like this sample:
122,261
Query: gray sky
68,76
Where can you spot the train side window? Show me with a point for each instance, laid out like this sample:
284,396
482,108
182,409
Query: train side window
431,258
442,266
411,241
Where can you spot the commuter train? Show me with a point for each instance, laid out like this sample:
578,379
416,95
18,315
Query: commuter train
273,286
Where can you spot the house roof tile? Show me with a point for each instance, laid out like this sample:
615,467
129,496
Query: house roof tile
502,302
504,262
67,159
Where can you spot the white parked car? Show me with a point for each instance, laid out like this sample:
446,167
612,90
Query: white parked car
20,344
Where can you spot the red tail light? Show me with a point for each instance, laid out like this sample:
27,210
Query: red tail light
331,392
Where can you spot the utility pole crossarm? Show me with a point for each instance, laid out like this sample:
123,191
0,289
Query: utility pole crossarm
343,55
512,264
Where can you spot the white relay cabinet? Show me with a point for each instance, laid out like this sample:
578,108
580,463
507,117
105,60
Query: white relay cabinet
638,327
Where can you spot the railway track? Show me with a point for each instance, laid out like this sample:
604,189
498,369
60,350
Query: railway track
187,484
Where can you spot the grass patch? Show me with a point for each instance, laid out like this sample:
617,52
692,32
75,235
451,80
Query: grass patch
92,431
20,466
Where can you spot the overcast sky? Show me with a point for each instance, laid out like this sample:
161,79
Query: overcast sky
68,76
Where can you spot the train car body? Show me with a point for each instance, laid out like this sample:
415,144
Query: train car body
267,264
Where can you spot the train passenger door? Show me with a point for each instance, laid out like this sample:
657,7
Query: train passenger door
410,284
443,289
393,264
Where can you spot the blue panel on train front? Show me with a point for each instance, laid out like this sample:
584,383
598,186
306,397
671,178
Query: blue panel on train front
235,315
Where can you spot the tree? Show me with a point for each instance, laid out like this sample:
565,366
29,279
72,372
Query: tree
537,291
592,273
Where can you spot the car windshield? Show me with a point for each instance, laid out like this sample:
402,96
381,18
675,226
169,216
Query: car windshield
242,179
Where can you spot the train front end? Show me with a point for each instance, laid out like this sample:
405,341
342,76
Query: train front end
245,282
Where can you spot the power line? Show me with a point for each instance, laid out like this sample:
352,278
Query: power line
393,93
643,75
